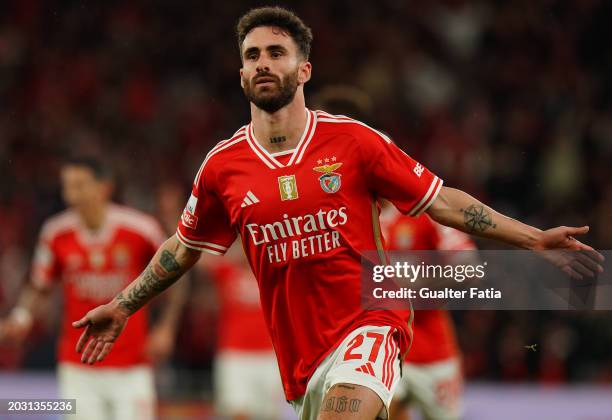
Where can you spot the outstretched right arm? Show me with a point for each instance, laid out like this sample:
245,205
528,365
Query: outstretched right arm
105,323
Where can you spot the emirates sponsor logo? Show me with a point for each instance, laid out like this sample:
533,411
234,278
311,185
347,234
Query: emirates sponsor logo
300,236
293,226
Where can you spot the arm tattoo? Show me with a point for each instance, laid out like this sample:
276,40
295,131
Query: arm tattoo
354,405
477,218
342,404
168,262
154,279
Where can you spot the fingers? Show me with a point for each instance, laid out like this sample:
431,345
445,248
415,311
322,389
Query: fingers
88,350
580,268
572,273
577,230
592,254
588,255
83,339
96,352
81,322
105,351
589,259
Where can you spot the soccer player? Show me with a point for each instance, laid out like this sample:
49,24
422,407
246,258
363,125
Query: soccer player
431,375
246,378
300,187
94,249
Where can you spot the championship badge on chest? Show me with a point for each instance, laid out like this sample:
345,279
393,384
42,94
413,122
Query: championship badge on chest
330,181
288,187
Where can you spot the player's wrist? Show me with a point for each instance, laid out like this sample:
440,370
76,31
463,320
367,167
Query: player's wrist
117,306
533,239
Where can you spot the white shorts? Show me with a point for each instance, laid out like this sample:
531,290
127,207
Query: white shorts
108,393
368,356
248,383
434,388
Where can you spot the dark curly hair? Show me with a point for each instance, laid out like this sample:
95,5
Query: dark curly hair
278,17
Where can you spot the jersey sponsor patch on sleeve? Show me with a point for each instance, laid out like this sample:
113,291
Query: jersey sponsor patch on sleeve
191,204
189,219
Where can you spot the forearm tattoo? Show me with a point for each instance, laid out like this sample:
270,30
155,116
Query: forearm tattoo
168,261
156,278
477,219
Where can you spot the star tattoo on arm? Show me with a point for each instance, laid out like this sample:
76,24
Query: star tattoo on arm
477,218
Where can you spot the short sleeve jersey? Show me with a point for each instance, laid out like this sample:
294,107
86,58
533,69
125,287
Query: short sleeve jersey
305,217
92,268
434,335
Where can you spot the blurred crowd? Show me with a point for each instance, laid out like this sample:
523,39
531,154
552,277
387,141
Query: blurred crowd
511,101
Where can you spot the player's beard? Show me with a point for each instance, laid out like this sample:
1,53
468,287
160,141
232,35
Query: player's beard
271,100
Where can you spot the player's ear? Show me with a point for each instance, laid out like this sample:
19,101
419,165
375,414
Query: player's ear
241,78
304,72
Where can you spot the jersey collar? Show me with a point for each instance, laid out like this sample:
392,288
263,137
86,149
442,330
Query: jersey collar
103,235
296,157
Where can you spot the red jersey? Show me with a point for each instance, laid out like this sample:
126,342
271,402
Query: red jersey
434,335
305,216
241,322
93,268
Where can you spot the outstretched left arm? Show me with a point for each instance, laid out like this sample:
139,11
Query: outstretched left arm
459,210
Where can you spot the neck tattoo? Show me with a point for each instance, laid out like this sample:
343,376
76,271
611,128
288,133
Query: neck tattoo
279,139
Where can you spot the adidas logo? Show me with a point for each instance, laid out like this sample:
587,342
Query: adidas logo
367,368
249,199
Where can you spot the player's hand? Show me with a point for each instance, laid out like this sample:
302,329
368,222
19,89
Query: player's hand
160,344
103,325
576,259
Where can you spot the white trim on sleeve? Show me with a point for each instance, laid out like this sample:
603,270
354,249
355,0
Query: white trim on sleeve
428,198
201,246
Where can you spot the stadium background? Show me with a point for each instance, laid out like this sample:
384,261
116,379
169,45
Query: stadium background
511,101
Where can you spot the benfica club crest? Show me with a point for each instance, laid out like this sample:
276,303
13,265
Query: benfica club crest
330,181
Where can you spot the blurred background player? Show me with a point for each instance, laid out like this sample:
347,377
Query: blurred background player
432,377
246,377
94,248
